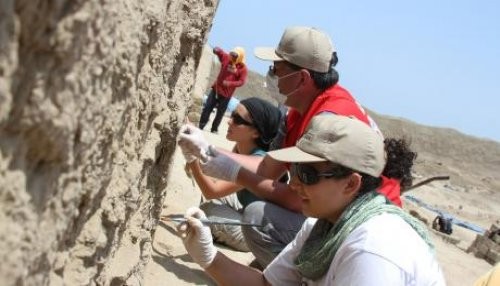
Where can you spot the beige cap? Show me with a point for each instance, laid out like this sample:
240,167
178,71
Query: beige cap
302,46
339,139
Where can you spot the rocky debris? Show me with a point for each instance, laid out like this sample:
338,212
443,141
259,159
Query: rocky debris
487,246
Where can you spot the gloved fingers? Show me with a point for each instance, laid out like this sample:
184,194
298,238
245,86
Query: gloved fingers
183,229
191,129
188,147
207,164
189,153
191,225
195,223
190,159
194,212
192,138
204,158
212,151
183,128
186,128
219,165
185,137
190,134
185,145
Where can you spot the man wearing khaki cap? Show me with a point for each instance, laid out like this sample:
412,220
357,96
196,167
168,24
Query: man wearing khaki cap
349,237
303,72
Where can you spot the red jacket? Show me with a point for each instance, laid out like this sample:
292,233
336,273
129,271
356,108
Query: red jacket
231,75
337,100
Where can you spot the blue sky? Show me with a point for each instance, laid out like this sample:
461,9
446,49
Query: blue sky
433,62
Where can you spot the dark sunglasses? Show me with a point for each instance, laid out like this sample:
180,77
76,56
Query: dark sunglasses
238,120
272,69
310,176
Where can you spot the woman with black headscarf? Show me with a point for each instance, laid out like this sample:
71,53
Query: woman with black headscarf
252,126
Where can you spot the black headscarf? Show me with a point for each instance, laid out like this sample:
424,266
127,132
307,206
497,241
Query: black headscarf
266,119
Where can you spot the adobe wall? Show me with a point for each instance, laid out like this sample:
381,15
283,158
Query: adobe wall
92,94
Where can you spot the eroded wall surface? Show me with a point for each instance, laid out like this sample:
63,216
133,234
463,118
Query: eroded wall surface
92,94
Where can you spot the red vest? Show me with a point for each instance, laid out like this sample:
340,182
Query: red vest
337,100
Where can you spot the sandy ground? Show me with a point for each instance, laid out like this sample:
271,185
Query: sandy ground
171,265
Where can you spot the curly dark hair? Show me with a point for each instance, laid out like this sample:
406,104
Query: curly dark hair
399,161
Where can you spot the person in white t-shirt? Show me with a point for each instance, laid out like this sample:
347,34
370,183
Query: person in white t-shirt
354,235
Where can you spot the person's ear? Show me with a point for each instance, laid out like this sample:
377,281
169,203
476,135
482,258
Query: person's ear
256,133
353,184
305,76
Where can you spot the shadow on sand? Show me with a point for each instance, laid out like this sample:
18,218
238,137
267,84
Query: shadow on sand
175,264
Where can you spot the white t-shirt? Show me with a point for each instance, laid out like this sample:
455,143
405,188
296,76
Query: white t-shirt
384,250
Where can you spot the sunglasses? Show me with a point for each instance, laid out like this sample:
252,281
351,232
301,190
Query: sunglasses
238,120
272,68
310,176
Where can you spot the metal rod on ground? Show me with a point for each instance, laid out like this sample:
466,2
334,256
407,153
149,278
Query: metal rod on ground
426,181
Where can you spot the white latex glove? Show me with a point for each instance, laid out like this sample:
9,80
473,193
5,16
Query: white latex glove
192,141
219,165
187,153
197,238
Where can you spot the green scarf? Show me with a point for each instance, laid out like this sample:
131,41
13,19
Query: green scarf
325,238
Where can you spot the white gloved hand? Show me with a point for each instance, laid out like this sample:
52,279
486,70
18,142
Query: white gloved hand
219,165
192,142
197,238
188,154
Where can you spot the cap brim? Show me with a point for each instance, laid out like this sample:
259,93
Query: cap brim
294,155
267,54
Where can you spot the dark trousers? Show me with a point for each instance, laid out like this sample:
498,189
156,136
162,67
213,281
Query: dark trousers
213,100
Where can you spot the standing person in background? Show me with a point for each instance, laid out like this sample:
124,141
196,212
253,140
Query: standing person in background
252,126
353,234
232,74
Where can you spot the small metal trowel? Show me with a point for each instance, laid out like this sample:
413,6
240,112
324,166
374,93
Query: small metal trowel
208,221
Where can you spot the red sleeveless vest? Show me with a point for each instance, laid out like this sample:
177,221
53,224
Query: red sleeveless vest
337,100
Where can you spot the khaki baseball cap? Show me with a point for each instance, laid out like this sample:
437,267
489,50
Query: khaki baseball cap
305,47
339,139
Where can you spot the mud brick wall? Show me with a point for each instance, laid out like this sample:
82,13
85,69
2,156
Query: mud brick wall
92,94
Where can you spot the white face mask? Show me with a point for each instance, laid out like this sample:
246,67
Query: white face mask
272,86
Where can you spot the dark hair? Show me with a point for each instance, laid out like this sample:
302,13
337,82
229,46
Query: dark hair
399,163
266,119
323,80
400,160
